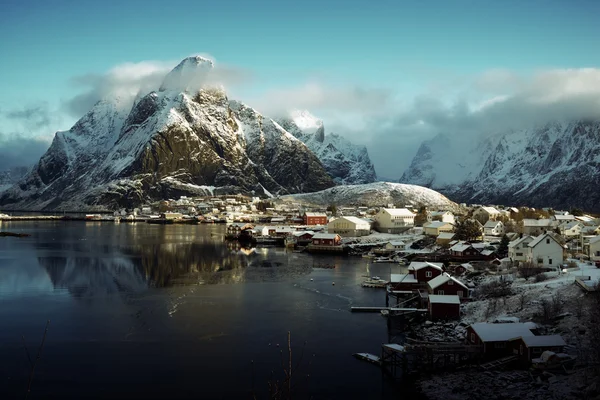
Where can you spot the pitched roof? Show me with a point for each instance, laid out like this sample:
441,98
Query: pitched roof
460,247
501,332
536,222
541,237
399,212
315,214
490,210
397,243
440,280
354,220
544,341
443,299
595,239
325,235
519,241
436,224
491,224
417,265
445,235
570,224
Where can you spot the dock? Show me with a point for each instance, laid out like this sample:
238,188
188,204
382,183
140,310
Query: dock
391,309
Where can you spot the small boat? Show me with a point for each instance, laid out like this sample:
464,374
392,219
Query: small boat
375,282
385,313
383,260
368,357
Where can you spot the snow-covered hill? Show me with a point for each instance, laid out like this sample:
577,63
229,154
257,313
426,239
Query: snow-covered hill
555,165
186,138
11,176
347,163
377,194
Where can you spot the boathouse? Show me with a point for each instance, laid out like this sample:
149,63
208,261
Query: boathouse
444,306
448,285
495,338
326,239
530,347
424,271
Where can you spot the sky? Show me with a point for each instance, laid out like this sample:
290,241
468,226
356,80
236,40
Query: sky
386,74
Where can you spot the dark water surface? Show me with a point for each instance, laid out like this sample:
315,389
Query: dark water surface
144,311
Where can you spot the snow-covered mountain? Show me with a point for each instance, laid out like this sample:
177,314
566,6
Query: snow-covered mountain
11,176
555,165
187,138
377,194
347,163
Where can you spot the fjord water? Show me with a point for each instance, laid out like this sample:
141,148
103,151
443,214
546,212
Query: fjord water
148,311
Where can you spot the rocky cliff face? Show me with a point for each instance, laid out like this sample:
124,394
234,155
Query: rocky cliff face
347,163
171,142
556,165
11,176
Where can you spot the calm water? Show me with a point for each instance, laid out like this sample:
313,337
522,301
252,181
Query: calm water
148,311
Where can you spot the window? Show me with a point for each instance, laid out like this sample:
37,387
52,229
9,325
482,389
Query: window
500,345
540,261
428,274
549,261
547,241
459,293
536,350
519,254
472,337
440,292
450,282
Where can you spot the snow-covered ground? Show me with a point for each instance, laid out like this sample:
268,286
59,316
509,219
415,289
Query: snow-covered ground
523,305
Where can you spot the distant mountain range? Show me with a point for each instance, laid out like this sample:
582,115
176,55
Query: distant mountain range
184,140
555,165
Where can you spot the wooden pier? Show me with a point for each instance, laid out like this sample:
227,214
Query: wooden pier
390,309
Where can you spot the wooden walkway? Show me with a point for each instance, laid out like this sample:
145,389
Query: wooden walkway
498,363
390,309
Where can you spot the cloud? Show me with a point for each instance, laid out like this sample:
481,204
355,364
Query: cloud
323,99
32,118
129,80
18,150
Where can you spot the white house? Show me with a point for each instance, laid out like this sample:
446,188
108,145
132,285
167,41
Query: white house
395,245
484,214
493,228
443,216
518,249
394,220
545,251
594,244
436,227
571,228
536,226
349,226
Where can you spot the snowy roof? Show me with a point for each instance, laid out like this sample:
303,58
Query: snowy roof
436,224
399,212
501,332
570,224
325,236
355,220
487,252
564,217
595,239
302,233
491,224
404,278
438,213
520,240
440,280
445,235
537,222
543,236
490,210
397,243
544,341
585,218
443,299
315,214
513,209
460,247
417,265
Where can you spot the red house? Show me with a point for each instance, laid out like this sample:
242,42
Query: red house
326,239
444,306
312,218
425,271
495,338
462,249
530,347
448,285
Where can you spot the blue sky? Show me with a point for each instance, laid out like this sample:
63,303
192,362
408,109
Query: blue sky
408,49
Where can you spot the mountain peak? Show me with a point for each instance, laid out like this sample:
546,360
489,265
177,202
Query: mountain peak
308,123
189,74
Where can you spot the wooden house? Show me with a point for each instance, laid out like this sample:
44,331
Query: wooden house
495,338
314,218
448,285
425,271
443,306
464,249
326,239
463,268
529,347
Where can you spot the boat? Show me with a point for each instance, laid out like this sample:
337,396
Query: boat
375,282
383,260
368,357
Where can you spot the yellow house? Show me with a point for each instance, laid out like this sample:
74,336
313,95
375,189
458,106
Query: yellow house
436,227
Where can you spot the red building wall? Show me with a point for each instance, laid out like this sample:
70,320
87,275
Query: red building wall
444,311
451,288
421,274
315,220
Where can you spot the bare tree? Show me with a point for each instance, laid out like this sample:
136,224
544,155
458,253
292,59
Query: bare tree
523,298
528,269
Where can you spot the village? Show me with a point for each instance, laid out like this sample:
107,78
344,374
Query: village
497,289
